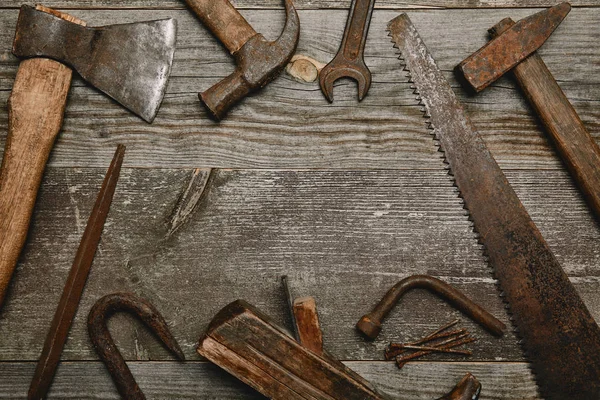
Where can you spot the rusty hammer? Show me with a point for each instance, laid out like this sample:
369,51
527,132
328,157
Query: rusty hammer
258,60
513,48
128,62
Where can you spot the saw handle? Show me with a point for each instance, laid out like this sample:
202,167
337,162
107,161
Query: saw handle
224,21
35,113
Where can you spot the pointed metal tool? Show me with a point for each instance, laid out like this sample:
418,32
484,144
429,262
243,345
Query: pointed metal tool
560,337
129,62
69,300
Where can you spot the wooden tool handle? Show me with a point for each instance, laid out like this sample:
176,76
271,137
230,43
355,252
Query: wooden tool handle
35,113
577,148
224,21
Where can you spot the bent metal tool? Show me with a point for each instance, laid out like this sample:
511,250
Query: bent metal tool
129,62
105,346
370,324
69,300
560,337
349,61
518,41
258,61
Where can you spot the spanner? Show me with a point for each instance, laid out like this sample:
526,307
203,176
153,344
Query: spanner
349,61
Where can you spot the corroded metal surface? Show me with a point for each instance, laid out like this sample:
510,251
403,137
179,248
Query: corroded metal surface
129,62
500,55
370,324
69,301
258,61
349,61
105,346
560,337
468,388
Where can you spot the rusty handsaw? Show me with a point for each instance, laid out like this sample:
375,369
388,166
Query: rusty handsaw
559,336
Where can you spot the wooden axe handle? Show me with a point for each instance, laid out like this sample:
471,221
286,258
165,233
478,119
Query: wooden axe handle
577,148
35,113
224,21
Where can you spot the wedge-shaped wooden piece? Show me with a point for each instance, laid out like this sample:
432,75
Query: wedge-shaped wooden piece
245,343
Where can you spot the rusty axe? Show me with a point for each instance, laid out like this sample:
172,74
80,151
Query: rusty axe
129,62
258,60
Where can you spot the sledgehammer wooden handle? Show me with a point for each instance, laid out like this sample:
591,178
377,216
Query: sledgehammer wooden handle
35,113
575,145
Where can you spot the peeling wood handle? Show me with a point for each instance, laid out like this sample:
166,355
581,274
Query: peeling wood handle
578,150
35,113
224,21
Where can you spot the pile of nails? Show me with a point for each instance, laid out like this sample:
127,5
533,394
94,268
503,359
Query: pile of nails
442,340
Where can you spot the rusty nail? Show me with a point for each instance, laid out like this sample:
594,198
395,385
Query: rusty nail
401,361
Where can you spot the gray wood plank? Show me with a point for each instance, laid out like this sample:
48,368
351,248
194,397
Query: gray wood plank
290,124
301,4
199,380
344,236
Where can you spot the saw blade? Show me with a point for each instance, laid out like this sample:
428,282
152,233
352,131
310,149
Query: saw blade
559,336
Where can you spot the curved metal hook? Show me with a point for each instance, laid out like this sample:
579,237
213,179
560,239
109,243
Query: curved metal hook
288,39
370,324
105,346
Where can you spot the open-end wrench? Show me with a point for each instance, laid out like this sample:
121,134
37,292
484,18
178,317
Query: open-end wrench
349,61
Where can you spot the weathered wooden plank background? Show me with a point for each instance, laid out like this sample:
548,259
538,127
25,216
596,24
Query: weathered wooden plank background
345,198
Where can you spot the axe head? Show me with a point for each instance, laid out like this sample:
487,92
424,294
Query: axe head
129,62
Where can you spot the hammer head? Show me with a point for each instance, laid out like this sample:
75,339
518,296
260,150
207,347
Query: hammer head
129,62
509,47
258,63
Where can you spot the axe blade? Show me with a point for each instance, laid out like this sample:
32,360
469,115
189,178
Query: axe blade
129,62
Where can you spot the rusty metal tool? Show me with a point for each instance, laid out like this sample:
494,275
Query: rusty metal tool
258,61
105,346
370,324
69,300
468,388
308,333
349,62
129,62
560,337
577,148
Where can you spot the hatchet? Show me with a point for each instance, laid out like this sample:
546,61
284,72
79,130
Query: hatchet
129,62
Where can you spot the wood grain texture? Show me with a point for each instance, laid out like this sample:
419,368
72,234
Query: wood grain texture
35,113
291,125
204,381
247,344
345,237
303,4
305,314
36,110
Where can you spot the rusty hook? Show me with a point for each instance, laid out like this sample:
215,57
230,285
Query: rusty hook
370,324
105,346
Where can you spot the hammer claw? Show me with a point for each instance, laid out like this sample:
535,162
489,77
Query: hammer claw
258,61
